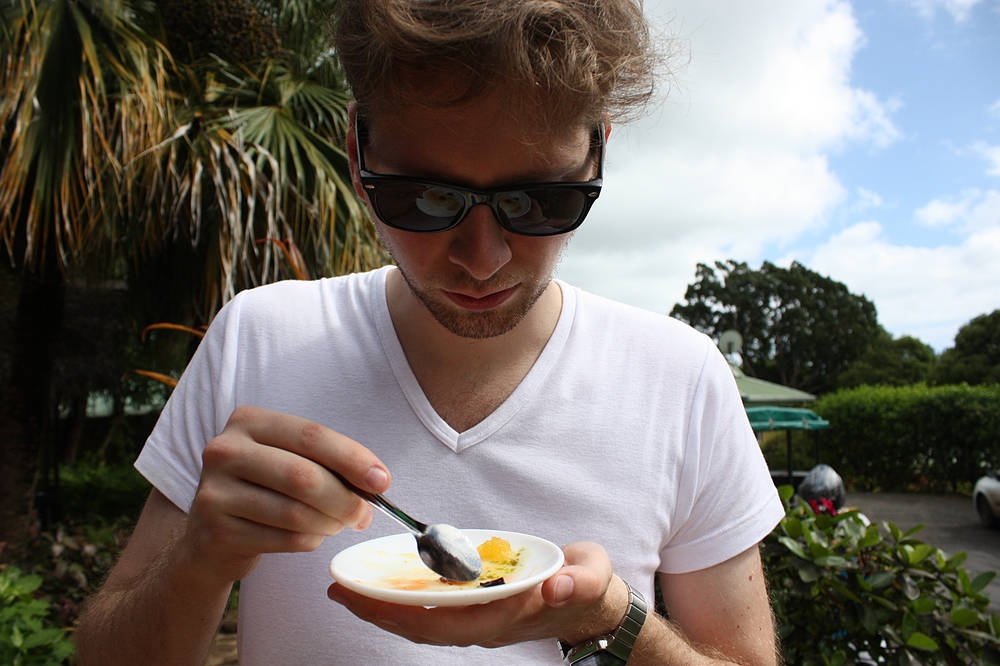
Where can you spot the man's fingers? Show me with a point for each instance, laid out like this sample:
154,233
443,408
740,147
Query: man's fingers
310,440
301,494
458,625
583,579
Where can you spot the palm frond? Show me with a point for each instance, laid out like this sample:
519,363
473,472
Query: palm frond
112,148
62,63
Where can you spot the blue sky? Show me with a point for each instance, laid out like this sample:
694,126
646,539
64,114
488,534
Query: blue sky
861,139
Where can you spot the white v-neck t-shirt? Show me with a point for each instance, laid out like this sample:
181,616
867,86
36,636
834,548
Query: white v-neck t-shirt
628,431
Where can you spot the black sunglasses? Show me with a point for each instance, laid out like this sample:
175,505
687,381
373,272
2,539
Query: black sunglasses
530,209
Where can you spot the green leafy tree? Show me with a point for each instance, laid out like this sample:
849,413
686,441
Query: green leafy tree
132,153
799,328
891,361
975,358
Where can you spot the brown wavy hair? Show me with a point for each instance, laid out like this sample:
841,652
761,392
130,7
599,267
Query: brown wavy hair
568,62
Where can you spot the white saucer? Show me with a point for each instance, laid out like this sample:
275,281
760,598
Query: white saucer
373,567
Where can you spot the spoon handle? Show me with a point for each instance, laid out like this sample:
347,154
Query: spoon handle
394,512
384,505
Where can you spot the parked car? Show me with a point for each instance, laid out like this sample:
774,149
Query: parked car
986,495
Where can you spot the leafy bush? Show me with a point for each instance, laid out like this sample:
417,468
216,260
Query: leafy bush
102,494
899,438
843,589
71,562
774,446
71,558
26,637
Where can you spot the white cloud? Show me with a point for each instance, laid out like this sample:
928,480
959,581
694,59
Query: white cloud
941,213
867,200
972,211
992,156
928,292
995,109
737,158
959,9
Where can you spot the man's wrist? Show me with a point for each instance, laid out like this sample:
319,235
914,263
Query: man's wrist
611,648
604,618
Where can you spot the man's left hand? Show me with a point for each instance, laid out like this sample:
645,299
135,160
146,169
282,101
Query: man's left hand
579,601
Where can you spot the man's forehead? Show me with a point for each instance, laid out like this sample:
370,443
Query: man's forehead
496,109
480,122
431,142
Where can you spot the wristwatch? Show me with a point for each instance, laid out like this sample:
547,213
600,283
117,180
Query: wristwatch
612,649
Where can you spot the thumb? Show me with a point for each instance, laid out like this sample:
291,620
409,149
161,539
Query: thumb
583,580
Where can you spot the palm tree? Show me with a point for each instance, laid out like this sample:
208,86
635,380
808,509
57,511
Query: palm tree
130,152
256,144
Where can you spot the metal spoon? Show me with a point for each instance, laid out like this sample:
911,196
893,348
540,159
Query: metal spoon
444,549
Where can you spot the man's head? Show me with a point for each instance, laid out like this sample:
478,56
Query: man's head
568,63
471,102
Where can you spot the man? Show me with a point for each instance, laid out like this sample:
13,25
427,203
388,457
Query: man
499,398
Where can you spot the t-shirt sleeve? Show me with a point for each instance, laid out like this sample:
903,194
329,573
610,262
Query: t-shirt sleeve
726,501
196,411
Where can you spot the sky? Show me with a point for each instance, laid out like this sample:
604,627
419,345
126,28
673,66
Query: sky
860,139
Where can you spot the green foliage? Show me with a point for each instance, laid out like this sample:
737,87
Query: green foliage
124,159
975,358
26,634
774,446
799,328
842,588
99,494
891,362
71,559
70,562
897,438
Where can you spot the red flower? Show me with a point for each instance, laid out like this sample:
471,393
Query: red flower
823,505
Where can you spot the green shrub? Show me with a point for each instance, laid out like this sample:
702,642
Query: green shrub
26,635
102,494
774,446
841,587
911,437
72,561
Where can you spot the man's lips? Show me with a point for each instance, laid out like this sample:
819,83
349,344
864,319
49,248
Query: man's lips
487,302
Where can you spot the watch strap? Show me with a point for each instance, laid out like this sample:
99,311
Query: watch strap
616,648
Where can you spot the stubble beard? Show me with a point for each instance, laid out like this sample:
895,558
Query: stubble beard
483,324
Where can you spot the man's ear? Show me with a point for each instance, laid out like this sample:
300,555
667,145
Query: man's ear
352,150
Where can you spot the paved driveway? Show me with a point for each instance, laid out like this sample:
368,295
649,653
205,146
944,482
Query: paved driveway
950,524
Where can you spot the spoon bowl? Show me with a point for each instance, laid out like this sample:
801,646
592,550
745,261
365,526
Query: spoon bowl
443,548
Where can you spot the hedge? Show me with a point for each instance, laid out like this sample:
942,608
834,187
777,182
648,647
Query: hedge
911,437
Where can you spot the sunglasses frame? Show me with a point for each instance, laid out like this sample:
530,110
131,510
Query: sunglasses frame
591,189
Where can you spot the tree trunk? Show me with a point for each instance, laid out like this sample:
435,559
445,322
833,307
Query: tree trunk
26,411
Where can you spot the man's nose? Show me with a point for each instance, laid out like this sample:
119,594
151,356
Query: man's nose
480,243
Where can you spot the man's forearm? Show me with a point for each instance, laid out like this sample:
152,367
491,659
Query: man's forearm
660,643
745,639
166,616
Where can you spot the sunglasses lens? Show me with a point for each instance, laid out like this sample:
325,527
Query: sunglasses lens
415,206
542,212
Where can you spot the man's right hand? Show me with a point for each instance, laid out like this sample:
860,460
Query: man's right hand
266,487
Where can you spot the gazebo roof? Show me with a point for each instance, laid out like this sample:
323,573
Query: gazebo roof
755,391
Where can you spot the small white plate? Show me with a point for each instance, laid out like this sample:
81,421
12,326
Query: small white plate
380,567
